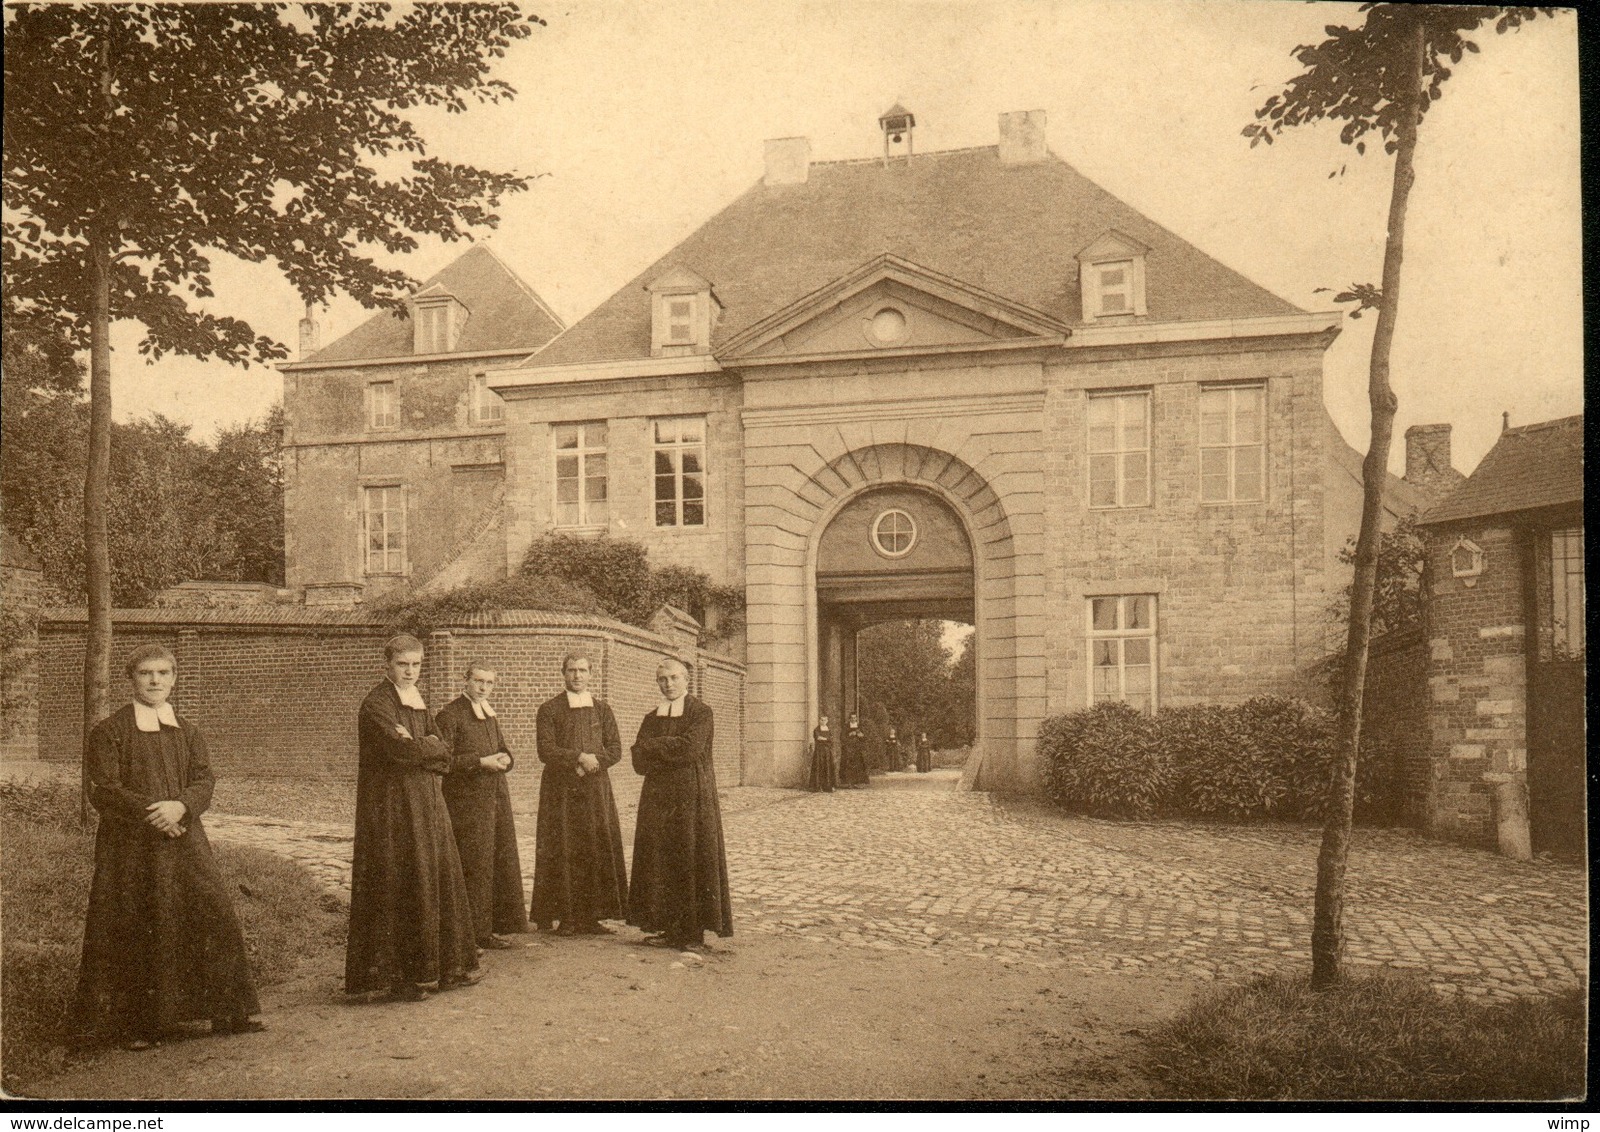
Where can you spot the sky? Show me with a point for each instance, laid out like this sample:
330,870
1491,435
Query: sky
641,121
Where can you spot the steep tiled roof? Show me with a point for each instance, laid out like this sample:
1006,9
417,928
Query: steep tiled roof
1537,465
1014,230
503,313
1400,497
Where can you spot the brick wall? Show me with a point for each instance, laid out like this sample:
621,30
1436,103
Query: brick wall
276,694
1394,717
1477,681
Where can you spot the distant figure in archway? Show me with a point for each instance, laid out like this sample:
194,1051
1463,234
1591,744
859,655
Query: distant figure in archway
822,768
853,756
924,753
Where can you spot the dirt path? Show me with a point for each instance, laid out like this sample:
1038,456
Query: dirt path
763,1016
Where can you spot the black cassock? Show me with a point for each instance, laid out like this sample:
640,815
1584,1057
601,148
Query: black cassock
924,755
162,944
480,814
580,873
410,918
853,759
822,769
680,870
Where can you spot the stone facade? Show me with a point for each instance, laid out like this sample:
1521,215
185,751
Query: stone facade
276,691
922,335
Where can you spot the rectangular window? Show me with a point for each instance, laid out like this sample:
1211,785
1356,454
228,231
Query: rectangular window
1122,650
382,412
1233,448
680,471
384,524
580,452
1115,284
1566,593
1119,449
680,320
487,407
433,328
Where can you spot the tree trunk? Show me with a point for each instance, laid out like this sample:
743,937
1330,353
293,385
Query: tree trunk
97,478
1327,930
96,486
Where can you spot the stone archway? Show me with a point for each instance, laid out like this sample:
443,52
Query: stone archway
980,586
892,552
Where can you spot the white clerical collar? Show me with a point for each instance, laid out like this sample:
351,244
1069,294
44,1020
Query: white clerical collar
147,718
580,699
410,697
481,708
671,707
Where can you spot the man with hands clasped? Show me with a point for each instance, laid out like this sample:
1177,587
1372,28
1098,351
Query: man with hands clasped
479,802
579,871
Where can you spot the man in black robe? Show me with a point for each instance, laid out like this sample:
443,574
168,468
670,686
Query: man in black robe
410,918
580,875
924,753
162,945
475,793
853,757
680,871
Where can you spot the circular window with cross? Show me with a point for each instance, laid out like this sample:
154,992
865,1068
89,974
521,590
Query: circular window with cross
894,533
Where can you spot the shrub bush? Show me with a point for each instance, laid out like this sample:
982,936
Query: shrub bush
563,573
1266,758
1105,761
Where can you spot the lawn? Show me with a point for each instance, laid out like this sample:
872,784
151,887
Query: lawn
45,868
1378,1038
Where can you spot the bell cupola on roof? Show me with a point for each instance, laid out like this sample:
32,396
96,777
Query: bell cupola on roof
897,123
683,308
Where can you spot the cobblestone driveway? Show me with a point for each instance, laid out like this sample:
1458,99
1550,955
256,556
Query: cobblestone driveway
894,869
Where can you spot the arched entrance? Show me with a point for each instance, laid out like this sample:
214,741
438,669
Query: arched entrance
893,552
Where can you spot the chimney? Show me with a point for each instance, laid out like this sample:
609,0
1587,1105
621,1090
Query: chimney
310,333
1428,459
788,161
1022,137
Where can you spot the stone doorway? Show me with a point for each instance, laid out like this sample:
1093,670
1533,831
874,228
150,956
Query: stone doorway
894,554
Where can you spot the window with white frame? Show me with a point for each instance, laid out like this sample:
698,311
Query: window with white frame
432,330
1122,650
1566,593
487,407
680,445
1233,446
1114,286
580,454
680,319
382,409
1119,449
384,527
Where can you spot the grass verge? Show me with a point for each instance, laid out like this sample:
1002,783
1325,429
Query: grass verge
46,863
1378,1038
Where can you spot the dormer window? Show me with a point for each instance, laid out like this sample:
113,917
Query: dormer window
1111,277
1114,284
680,321
682,311
436,322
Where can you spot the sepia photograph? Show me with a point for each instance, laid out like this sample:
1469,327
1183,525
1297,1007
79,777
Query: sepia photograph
905,554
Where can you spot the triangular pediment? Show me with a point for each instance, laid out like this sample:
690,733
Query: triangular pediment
890,304
1112,245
